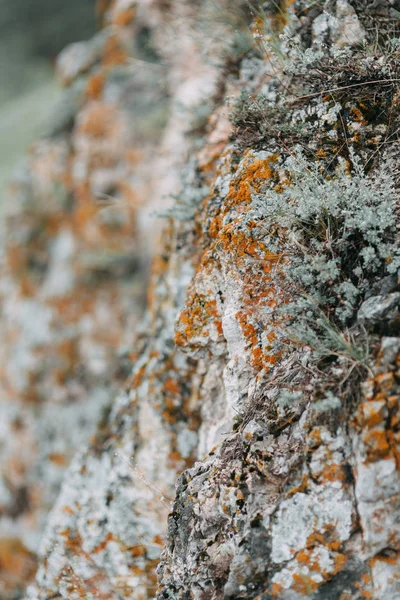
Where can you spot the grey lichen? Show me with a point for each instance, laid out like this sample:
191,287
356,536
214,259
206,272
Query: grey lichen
338,234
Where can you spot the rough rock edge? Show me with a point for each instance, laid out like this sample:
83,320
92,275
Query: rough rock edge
286,510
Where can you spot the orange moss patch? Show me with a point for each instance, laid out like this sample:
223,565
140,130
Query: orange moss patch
334,472
378,419
174,458
358,116
377,444
125,17
16,562
100,547
302,487
172,387
94,86
304,584
99,121
250,179
139,550
199,316
58,459
113,52
260,358
276,590
362,585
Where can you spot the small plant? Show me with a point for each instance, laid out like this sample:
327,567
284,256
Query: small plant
339,232
314,329
321,84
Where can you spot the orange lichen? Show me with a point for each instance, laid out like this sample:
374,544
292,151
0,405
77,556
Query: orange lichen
172,387
174,457
16,562
316,539
303,557
113,52
377,444
158,540
366,594
373,413
276,590
304,584
139,550
261,359
58,459
16,258
168,417
389,560
100,547
362,585
200,314
314,438
340,561
124,17
334,472
302,487
358,116
378,419
250,179
94,86
243,241
98,121
385,381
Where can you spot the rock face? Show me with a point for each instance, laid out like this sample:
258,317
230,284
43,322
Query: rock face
71,282
253,451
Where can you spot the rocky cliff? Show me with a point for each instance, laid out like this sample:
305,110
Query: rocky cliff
253,450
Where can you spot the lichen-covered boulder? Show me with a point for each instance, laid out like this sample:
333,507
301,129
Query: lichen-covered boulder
71,284
265,379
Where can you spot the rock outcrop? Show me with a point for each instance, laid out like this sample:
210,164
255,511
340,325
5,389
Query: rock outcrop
253,451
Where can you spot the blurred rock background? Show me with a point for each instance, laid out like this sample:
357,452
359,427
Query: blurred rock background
32,33
274,499
73,265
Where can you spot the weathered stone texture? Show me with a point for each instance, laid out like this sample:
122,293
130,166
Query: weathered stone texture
286,500
71,285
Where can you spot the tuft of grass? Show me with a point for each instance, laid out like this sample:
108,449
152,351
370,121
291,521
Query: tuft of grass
314,79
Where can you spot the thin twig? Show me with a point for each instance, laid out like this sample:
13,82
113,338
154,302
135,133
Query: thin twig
346,87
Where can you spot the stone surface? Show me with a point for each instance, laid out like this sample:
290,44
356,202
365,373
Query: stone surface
71,289
233,463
